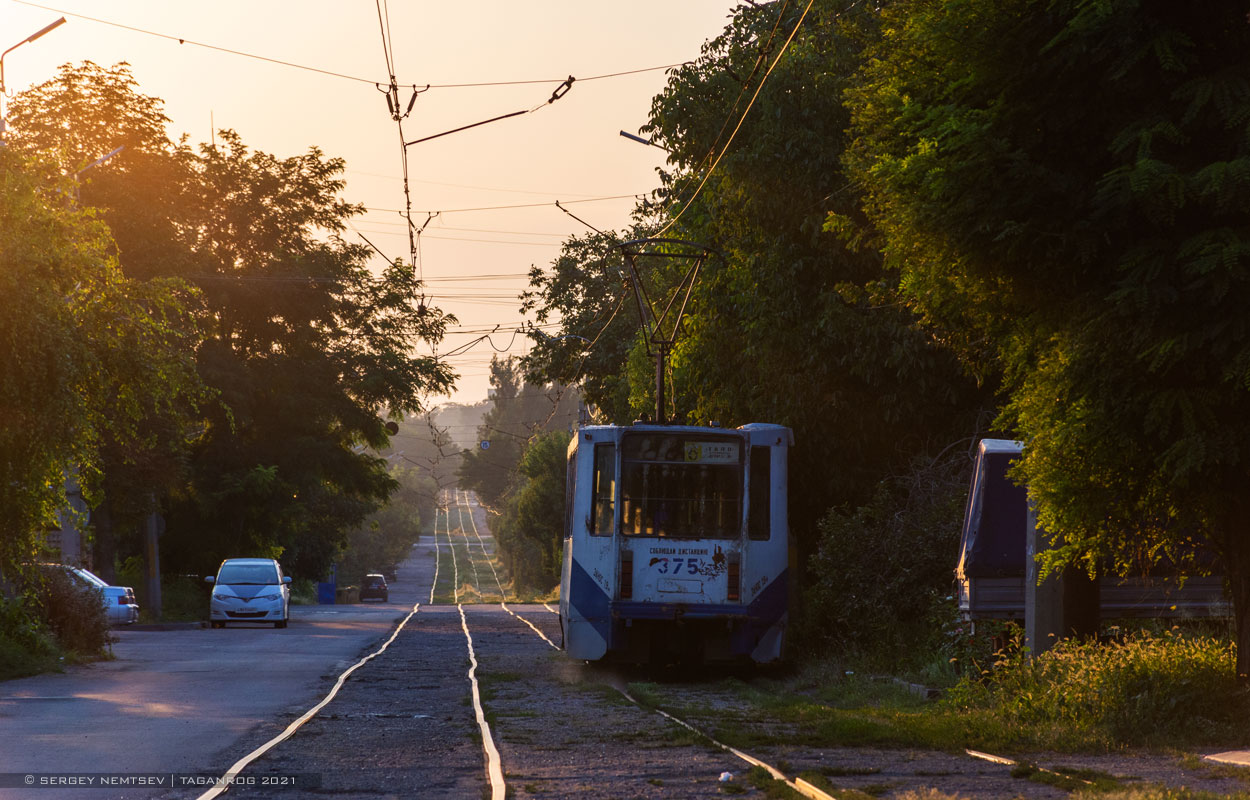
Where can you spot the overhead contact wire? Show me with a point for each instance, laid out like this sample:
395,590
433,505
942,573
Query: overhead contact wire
742,119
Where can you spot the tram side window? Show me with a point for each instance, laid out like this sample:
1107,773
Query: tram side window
760,516
603,514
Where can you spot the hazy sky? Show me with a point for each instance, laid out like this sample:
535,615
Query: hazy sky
474,262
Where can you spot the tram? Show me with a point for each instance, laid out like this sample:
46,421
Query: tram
676,543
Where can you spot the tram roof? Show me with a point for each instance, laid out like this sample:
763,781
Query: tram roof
651,427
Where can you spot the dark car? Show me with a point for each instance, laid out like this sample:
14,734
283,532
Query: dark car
374,588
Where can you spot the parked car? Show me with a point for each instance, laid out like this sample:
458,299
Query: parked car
249,590
119,601
374,587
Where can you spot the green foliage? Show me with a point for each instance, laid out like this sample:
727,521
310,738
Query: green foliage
1062,189
886,566
530,530
302,347
519,410
781,329
25,647
387,537
586,291
1172,690
521,475
86,354
72,611
184,598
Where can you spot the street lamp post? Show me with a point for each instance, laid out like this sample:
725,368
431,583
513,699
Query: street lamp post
30,38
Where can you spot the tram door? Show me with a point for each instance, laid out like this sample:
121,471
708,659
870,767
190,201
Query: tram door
588,575
765,573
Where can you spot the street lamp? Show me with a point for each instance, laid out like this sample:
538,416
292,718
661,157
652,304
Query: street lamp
641,140
30,38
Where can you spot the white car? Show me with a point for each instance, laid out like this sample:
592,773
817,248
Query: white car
119,601
249,590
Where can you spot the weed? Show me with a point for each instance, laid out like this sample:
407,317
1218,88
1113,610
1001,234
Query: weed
1066,778
1144,690
763,780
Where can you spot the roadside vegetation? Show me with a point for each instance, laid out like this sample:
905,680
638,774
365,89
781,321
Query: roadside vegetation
50,622
1168,692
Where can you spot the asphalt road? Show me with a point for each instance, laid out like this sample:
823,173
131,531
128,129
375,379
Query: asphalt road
172,699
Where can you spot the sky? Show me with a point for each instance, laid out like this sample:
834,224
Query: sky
474,262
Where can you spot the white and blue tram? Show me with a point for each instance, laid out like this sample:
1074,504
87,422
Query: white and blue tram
676,543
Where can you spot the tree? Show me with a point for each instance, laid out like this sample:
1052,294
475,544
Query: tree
309,350
387,536
305,348
519,410
791,326
83,115
521,475
586,289
85,354
1063,190
530,530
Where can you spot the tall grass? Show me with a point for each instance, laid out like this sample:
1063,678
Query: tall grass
1144,690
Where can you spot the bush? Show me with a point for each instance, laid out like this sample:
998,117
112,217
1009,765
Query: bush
25,646
73,612
881,575
1142,690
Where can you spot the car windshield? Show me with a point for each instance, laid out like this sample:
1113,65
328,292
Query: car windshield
89,577
256,574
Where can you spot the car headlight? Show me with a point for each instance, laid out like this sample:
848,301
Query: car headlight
221,597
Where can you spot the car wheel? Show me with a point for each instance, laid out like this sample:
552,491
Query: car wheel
280,623
217,624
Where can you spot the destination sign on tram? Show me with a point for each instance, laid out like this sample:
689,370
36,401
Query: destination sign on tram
711,452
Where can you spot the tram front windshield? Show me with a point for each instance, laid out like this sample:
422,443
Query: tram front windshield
681,486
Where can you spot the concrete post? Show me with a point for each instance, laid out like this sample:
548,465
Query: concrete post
1065,604
152,557
1043,604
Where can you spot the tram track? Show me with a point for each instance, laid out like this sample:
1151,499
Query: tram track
797,784
503,601
524,700
542,724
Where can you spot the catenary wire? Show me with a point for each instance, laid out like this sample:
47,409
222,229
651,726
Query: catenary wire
331,73
518,205
750,105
